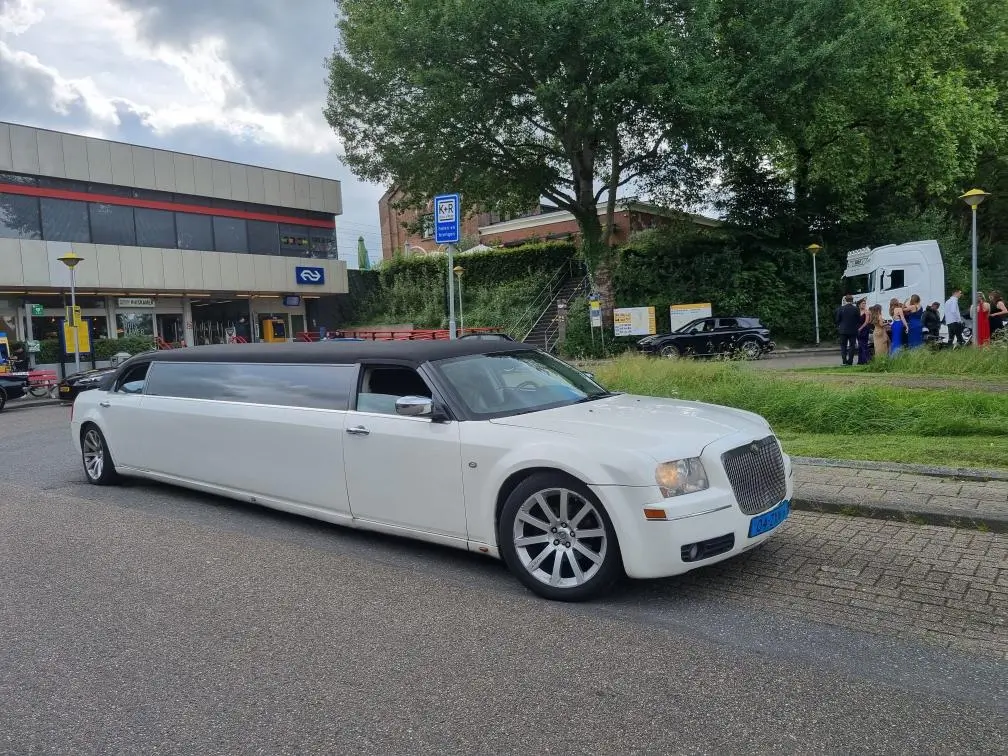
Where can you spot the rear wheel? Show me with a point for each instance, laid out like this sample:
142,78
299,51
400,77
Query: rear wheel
3,399
750,350
556,537
98,465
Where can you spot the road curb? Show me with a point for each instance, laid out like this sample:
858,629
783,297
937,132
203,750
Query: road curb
17,405
932,471
962,519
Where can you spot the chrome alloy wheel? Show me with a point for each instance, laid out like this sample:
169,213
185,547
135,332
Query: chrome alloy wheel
560,538
94,454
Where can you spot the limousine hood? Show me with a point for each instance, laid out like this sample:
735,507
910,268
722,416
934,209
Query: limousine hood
644,422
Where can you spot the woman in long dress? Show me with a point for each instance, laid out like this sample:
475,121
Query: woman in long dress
864,333
914,314
879,333
998,312
898,325
982,320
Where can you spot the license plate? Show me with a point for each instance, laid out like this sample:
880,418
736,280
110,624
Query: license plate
769,520
64,389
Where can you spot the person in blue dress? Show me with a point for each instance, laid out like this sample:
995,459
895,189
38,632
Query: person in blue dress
914,314
899,326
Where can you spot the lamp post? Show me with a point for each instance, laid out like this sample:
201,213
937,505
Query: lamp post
458,270
973,198
72,260
814,249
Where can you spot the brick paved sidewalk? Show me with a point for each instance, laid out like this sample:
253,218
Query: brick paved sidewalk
975,499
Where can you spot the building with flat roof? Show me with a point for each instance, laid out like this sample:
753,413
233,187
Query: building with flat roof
176,246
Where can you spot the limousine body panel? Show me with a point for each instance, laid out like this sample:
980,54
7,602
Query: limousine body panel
442,442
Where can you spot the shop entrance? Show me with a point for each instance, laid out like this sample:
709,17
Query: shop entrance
171,329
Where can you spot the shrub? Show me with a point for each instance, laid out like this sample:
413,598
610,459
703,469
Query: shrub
105,348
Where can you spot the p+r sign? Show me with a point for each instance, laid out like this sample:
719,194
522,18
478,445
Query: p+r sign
447,219
309,276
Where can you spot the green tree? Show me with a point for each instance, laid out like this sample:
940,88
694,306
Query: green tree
363,260
509,101
861,107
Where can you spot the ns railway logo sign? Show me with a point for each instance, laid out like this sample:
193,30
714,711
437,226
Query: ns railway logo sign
309,276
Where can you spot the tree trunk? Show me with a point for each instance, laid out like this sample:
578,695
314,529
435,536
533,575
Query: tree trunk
599,258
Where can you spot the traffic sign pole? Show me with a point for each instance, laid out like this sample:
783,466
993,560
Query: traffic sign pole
447,228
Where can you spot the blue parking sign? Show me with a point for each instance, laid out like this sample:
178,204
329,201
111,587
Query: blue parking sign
447,219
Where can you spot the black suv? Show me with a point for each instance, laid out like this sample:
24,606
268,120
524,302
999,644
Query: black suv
706,337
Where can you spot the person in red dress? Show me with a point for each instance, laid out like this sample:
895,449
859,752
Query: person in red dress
982,320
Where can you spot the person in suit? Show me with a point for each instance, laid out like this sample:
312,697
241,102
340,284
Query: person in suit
848,320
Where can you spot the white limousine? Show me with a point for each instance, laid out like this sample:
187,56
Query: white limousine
494,447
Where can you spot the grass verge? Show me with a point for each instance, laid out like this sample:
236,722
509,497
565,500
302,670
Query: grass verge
870,422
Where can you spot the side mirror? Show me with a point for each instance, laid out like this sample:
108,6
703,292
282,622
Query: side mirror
414,406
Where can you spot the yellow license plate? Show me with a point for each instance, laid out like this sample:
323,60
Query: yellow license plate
64,389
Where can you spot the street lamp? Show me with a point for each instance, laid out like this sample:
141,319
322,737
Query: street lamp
458,270
72,260
814,248
973,198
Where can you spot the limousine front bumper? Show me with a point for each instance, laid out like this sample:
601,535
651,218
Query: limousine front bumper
664,537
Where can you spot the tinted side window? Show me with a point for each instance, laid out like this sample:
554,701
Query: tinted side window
381,387
312,386
894,279
725,323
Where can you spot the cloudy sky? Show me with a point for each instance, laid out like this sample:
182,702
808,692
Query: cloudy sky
240,80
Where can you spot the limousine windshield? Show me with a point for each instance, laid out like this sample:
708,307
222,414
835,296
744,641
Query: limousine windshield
513,383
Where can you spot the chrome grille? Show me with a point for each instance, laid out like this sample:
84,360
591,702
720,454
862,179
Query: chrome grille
756,474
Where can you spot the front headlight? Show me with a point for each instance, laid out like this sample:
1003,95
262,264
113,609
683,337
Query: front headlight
682,476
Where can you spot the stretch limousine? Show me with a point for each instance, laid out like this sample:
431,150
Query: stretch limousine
491,446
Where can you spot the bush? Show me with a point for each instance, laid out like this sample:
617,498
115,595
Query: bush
104,349
808,407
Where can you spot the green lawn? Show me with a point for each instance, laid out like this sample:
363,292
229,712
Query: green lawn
841,420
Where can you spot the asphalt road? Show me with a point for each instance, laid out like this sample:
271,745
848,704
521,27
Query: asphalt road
148,619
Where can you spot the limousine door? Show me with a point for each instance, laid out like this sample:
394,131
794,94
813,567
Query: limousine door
402,471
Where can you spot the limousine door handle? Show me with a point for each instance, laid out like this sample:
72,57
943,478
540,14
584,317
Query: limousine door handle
358,430
104,404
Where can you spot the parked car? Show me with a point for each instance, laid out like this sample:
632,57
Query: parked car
493,447
487,337
74,384
11,387
707,337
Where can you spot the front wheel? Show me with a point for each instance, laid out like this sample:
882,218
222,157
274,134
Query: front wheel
98,465
671,352
556,537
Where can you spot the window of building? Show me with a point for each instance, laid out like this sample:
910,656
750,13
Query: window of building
194,231
230,234
295,240
7,177
155,228
65,220
19,217
263,238
323,243
134,324
427,226
112,224
309,386
68,185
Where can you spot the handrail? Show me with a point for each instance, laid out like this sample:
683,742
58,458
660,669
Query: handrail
524,323
554,327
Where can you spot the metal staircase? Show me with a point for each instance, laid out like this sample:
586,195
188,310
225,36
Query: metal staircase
538,324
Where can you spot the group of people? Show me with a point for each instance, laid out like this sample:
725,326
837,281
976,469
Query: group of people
911,325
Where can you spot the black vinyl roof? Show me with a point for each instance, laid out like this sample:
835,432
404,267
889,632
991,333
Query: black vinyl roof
413,353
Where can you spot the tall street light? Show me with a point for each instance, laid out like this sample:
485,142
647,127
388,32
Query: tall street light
814,249
973,198
72,260
459,270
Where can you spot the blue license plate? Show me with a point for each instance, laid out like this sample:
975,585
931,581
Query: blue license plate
769,520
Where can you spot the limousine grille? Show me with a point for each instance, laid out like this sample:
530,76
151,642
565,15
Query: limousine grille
756,474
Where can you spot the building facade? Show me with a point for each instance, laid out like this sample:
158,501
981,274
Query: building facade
409,231
175,246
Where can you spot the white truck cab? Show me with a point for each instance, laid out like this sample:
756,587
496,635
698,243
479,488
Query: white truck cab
898,271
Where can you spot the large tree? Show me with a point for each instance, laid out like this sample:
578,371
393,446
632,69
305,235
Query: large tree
508,101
